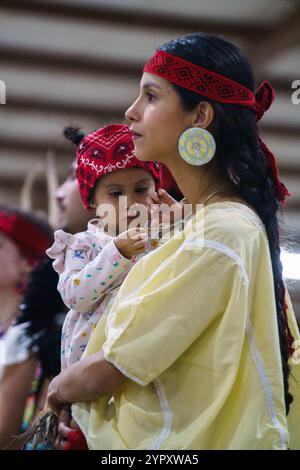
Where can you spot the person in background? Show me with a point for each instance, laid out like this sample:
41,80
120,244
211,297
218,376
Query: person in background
32,344
24,238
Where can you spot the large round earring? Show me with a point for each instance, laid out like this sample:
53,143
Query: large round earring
196,146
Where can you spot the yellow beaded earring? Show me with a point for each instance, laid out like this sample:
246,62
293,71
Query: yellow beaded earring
197,146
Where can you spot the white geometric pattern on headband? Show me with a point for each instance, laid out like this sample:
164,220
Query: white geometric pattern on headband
105,141
101,169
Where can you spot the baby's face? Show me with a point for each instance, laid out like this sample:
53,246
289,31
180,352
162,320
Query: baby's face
117,195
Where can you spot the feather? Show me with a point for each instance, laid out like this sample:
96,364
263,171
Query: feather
43,431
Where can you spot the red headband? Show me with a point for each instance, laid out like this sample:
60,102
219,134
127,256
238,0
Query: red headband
199,80
221,89
31,241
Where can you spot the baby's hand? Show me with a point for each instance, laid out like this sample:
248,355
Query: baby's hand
163,197
132,242
166,216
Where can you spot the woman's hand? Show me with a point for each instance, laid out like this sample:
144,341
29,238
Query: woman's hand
85,380
53,400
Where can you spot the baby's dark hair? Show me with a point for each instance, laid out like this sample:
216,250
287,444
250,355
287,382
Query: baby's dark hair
239,153
74,134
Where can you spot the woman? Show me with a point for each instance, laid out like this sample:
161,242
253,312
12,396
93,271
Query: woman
24,238
33,344
196,352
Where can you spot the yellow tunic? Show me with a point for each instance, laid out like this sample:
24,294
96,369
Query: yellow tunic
194,329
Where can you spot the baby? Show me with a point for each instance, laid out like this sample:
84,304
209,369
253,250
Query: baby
93,264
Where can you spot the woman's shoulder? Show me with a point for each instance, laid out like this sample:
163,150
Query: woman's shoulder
233,217
230,226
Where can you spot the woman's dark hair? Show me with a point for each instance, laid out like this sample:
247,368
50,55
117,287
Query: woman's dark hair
242,159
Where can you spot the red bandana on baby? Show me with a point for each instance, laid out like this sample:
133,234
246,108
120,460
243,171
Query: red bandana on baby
104,151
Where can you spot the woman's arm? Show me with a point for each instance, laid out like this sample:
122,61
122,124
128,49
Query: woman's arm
86,380
14,389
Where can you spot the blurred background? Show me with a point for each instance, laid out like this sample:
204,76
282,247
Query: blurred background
80,61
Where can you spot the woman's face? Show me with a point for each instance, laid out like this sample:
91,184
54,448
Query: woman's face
72,214
157,119
13,265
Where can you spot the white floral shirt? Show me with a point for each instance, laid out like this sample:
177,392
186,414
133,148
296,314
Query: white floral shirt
91,269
